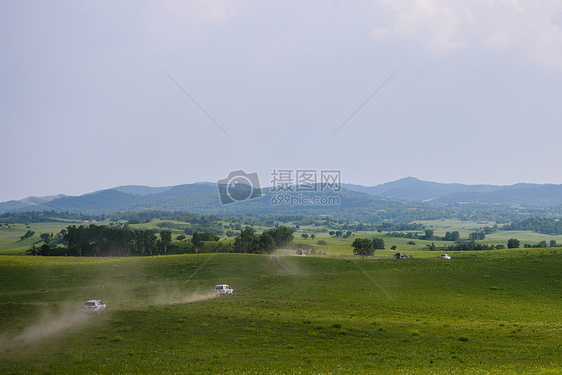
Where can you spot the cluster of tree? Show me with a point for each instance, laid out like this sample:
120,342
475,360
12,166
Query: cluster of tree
267,242
137,221
171,225
198,238
53,239
44,217
452,236
100,240
47,250
467,246
378,244
403,235
543,244
339,226
339,233
27,235
536,224
230,233
317,221
358,226
429,235
399,227
365,246
305,236
190,228
488,230
148,215
513,243
476,236
46,237
238,225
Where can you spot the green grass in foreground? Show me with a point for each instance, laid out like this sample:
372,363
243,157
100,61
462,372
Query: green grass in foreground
477,314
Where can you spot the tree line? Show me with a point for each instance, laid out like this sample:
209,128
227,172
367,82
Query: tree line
536,224
101,240
454,235
267,242
121,240
512,243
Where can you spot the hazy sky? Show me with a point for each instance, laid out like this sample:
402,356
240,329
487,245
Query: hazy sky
84,104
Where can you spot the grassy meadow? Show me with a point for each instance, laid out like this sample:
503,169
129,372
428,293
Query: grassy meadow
479,313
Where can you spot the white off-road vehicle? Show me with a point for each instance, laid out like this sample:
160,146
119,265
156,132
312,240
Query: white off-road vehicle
94,306
223,290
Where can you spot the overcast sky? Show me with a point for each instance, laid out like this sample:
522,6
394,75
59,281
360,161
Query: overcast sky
87,102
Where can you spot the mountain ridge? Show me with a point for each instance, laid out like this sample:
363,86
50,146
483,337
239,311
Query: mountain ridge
203,196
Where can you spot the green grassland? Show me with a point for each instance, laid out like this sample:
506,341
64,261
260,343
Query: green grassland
336,246
10,237
10,242
479,313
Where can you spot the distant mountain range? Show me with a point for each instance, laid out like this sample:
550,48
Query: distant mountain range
399,196
411,189
110,200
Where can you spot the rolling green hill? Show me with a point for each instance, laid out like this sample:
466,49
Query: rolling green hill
473,314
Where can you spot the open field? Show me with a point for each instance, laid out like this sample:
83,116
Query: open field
10,242
10,237
481,312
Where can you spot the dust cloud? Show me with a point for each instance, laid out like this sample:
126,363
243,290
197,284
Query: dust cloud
175,298
50,324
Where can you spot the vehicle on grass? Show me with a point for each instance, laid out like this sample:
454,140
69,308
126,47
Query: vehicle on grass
223,290
94,306
445,256
400,256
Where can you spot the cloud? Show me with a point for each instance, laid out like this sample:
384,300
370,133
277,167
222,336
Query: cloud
529,30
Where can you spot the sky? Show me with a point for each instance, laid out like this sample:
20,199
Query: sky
98,94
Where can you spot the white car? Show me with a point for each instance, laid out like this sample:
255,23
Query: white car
223,290
445,256
94,306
